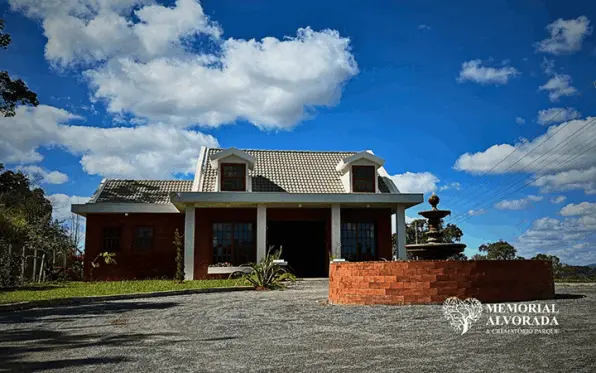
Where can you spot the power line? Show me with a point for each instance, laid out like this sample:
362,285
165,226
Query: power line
525,155
574,135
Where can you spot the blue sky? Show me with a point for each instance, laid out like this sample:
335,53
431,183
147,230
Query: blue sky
133,88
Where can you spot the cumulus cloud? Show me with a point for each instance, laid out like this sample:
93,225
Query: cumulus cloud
557,86
454,185
566,36
580,209
548,66
476,212
520,120
152,151
570,238
61,204
560,159
410,182
556,115
473,71
517,204
158,65
558,199
44,176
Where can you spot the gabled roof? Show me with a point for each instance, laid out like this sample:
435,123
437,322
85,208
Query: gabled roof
344,163
139,191
216,157
289,171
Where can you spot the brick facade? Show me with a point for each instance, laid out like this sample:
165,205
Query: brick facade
422,282
159,261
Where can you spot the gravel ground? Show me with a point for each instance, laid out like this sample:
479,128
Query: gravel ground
286,331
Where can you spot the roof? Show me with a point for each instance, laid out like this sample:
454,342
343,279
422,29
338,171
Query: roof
291,171
139,191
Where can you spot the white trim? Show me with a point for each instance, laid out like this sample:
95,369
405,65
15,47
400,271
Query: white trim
121,208
198,180
336,231
324,199
98,191
261,232
400,230
189,243
219,156
344,163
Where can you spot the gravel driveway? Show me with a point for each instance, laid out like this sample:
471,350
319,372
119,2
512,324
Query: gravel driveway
285,331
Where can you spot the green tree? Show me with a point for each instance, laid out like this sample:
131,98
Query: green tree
12,92
500,250
557,266
179,277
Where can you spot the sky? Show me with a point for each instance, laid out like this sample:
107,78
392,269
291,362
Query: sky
488,104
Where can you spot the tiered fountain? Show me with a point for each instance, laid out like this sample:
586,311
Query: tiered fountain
435,248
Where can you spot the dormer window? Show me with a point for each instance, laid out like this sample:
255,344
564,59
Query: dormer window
363,179
233,177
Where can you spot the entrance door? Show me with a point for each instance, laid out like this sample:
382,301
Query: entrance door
303,246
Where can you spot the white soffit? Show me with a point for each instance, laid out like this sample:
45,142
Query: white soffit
344,163
217,157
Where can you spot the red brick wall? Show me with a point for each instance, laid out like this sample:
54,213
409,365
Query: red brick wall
419,282
131,264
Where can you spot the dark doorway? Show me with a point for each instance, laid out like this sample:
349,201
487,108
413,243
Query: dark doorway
303,244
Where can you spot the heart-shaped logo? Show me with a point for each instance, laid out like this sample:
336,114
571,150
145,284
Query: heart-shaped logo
462,313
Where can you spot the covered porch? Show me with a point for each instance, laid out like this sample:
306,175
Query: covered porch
312,228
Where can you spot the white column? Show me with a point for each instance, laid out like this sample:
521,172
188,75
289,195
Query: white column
336,231
189,243
400,229
261,232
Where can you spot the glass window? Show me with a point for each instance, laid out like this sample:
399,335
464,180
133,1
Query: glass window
233,177
358,242
233,243
143,238
111,239
363,179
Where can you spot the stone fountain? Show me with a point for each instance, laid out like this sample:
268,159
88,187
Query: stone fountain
435,248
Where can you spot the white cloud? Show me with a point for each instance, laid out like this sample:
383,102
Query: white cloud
520,120
454,185
408,221
477,212
517,204
271,83
566,36
558,199
577,179
556,115
45,176
424,27
580,209
548,66
61,204
474,71
410,182
571,239
557,86
152,151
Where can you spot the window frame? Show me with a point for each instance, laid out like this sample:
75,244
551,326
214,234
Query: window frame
251,251
111,238
135,239
359,254
356,179
223,177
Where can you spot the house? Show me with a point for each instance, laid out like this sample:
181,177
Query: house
316,205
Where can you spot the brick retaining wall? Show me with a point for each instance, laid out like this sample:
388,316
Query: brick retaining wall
421,282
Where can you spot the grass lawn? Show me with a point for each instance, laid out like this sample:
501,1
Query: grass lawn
85,289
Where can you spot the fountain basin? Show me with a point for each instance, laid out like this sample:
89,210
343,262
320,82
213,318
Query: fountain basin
439,251
433,281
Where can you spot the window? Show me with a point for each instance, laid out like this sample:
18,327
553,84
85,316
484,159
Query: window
143,238
233,177
358,241
111,239
233,243
363,179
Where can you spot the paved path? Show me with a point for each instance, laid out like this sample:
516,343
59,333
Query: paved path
285,331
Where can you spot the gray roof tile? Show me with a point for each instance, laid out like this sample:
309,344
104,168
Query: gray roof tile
290,171
141,191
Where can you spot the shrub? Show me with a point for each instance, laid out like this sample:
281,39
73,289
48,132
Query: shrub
267,274
179,277
9,271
